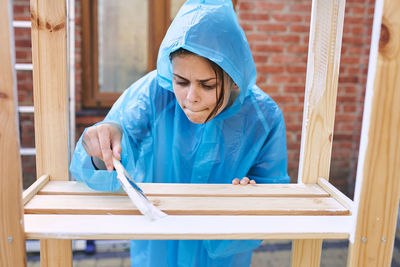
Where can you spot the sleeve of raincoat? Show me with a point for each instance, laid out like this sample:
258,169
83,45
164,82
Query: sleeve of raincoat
133,111
270,167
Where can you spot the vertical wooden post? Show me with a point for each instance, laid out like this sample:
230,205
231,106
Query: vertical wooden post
319,108
378,176
49,55
12,242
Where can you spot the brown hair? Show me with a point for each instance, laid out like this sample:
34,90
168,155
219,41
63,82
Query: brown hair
218,73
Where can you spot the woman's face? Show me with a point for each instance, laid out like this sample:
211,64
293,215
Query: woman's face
195,86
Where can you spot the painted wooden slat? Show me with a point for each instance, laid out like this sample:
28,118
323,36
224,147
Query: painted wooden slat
49,53
12,245
378,178
217,190
185,227
325,41
80,204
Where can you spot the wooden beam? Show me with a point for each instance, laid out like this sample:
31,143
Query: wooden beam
81,204
49,53
12,244
50,87
206,190
34,188
186,227
326,29
378,178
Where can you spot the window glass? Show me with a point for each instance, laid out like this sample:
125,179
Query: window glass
122,43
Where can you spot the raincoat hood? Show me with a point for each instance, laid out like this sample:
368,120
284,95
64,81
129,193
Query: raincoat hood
210,29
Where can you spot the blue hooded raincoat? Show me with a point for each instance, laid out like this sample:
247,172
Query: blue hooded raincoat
160,144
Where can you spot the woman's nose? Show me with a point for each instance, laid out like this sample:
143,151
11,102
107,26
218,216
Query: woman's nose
193,94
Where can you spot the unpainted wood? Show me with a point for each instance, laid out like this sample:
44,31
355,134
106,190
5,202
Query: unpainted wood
324,48
208,190
336,194
186,227
50,87
12,245
49,53
378,196
301,253
53,254
29,193
80,204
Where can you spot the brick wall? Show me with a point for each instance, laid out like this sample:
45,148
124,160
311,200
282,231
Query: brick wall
278,35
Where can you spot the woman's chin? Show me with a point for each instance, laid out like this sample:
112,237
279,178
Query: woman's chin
195,119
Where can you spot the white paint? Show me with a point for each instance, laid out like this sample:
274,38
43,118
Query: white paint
367,111
27,151
26,109
21,24
186,227
24,66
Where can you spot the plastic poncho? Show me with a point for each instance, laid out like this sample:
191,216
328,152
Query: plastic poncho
160,144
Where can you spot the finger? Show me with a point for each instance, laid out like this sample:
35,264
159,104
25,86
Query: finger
116,145
105,144
236,181
245,180
252,182
92,142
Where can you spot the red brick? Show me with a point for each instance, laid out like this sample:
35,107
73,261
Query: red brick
287,17
296,68
304,8
301,49
294,89
291,59
270,6
246,5
270,69
271,27
267,48
285,38
249,16
300,28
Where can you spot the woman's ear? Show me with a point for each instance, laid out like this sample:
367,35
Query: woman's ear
234,86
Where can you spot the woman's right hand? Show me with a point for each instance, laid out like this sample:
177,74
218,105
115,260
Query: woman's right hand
103,141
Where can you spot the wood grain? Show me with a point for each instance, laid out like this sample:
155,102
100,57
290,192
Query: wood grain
12,245
324,48
378,177
49,54
81,204
209,190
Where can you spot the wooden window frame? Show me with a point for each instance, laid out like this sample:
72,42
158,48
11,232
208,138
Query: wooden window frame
159,21
158,15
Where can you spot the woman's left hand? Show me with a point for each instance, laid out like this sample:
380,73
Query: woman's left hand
244,181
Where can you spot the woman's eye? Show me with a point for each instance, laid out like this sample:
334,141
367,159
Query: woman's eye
182,83
212,86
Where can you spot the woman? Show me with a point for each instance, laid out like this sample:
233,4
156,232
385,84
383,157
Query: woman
198,118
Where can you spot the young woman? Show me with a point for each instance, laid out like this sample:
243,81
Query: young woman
198,118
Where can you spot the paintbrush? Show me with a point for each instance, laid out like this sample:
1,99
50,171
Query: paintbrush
136,194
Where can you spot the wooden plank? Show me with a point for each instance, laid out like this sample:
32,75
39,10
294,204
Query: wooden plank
378,178
300,255
50,87
326,29
34,188
186,227
336,194
52,255
49,53
12,245
216,190
80,204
